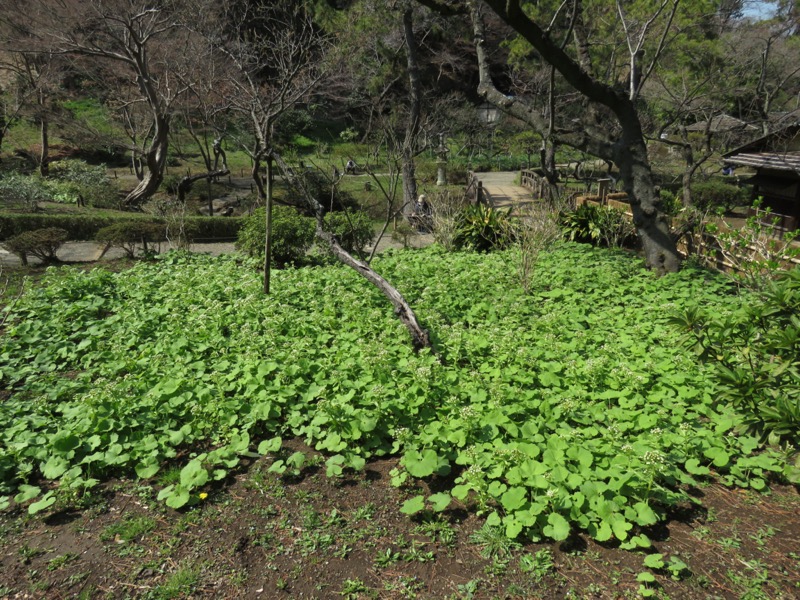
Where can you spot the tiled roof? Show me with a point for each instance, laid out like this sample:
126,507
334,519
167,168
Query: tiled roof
780,161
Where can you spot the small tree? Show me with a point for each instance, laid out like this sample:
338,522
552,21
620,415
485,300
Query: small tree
41,243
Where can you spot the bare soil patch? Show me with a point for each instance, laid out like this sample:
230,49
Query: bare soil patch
261,535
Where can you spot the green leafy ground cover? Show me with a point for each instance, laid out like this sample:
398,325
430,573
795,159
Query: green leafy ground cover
571,408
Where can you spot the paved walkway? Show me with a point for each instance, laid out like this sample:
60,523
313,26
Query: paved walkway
502,189
78,252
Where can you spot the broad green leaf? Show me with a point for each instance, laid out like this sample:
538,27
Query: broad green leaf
55,467
514,498
439,501
719,457
26,492
513,527
603,532
297,460
193,475
694,467
413,505
147,470
423,464
654,561
270,446
43,503
460,491
178,497
557,527
645,515
333,466
620,527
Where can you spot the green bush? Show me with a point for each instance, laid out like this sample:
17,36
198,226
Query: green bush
130,235
353,230
483,228
41,243
712,194
756,355
292,235
598,225
214,229
76,182
670,202
23,192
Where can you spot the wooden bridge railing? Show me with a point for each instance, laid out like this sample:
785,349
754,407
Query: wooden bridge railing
476,192
536,182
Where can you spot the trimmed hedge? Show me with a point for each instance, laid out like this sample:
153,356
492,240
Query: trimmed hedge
84,227
129,235
41,243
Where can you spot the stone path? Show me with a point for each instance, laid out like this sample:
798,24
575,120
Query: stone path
76,252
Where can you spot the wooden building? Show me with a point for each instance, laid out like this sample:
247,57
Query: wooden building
775,158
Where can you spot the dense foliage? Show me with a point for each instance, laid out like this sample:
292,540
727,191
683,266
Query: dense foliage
598,225
713,194
482,228
85,226
76,182
353,229
292,235
756,351
569,407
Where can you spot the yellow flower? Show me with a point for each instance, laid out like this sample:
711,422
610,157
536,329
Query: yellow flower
203,495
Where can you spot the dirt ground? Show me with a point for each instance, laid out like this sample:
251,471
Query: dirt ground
261,535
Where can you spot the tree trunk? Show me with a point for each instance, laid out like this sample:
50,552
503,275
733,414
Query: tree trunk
44,156
661,254
414,115
156,159
268,225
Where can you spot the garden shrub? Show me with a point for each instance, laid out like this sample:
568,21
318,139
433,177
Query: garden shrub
214,229
169,184
353,229
598,225
22,192
130,235
78,226
292,235
483,228
670,202
76,182
41,243
713,194
755,351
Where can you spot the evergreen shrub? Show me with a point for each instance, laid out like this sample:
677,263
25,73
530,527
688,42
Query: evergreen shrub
292,235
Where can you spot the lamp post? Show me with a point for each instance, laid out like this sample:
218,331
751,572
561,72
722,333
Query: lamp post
489,115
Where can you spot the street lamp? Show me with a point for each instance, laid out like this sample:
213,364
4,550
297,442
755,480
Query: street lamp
488,114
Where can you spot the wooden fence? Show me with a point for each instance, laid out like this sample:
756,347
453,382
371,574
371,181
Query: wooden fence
712,252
